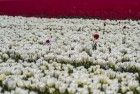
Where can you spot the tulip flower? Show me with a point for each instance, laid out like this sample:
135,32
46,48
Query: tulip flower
95,36
47,41
95,40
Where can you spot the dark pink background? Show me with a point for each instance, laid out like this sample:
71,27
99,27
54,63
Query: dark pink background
104,9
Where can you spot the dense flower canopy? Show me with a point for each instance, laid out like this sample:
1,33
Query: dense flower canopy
69,65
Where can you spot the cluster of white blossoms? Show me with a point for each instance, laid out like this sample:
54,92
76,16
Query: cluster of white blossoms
55,56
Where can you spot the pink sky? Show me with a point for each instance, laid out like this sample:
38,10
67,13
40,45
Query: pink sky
105,9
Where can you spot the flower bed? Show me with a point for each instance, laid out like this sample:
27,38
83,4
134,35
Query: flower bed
55,56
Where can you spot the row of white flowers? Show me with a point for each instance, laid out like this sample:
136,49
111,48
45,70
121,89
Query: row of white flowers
43,56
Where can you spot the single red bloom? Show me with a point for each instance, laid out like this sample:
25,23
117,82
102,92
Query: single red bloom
47,41
124,27
96,36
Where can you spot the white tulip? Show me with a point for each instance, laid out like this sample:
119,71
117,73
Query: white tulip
133,84
20,91
51,90
20,83
42,87
51,82
62,89
130,92
11,83
5,56
2,77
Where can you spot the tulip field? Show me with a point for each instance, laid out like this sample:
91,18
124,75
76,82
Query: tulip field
69,56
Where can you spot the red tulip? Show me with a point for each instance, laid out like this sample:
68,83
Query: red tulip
48,41
95,36
124,27
95,40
